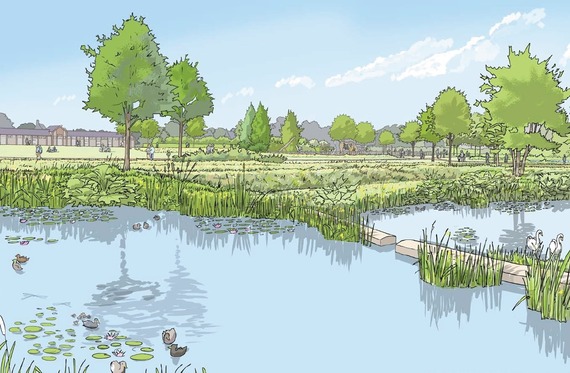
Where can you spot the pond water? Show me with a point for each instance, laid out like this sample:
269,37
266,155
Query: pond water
271,297
506,223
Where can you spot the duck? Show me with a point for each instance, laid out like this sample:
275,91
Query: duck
91,324
555,246
534,243
16,266
156,217
118,367
137,226
176,351
169,336
146,225
21,259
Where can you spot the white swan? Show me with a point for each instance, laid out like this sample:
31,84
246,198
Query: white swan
534,243
555,246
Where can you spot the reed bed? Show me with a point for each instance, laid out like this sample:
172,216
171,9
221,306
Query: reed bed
444,267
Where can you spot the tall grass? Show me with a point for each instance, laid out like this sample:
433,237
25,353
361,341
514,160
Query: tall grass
441,266
547,289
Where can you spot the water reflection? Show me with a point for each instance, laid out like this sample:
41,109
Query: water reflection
553,337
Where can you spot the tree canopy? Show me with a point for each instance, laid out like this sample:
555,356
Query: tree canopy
290,132
364,133
411,133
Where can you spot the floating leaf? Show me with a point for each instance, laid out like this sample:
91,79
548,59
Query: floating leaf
141,357
101,355
49,358
133,343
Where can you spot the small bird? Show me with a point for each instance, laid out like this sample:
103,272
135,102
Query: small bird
146,225
91,324
176,351
21,259
555,246
156,217
16,266
169,336
137,226
118,367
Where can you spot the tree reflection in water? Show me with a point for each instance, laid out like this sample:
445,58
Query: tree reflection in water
553,336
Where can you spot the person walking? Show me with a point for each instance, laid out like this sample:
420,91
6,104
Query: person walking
39,152
151,152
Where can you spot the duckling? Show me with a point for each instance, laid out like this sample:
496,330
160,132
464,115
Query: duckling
137,226
176,351
16,266
169,336
146,225
91,324
21,259
118,367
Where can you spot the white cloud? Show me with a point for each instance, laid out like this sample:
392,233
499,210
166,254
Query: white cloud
534,17
393,63
63,98
294,81
565,56
437,64
245,91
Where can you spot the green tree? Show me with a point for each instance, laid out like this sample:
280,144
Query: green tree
196,127
243,130
127,80
148,128
410,134
386,138
526,98
290,132
490,134
192,99
365,133
427,133
343,128
260,130
452,116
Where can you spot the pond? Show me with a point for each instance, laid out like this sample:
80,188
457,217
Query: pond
505,223
251,296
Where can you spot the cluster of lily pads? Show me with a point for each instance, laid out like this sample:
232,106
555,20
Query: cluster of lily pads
465,235
446,206
242,226
395,211
52,342
46,216
517,207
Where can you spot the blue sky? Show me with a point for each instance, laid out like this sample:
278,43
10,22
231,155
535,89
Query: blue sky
376,61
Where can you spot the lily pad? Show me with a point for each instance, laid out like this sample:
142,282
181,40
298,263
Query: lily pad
52,350
93,337
70,340
67,354
133,343
33,329
51,343
49,358
147,349
33,351
39,314
116,344
51,240
49,332
30,336
15,329
51,318
141,357
65,347
47,324
18,323
102,347
101,355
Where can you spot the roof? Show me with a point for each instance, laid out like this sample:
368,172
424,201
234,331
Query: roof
93,134
22,131
49,130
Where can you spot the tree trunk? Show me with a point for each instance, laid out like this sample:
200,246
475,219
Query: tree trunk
413,145
450,139
180,133
433,151
525,156
127,160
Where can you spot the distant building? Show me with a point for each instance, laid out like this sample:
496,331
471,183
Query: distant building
59,136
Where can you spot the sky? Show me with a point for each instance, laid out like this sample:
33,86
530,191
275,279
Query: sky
376,61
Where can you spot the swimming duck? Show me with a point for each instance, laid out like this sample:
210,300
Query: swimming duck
16,266
21,259
169,336
156,217
118,367
146,225
176,351
137,226
91,324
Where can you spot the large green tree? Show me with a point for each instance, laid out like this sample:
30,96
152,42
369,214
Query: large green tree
148,128
343,128
243,130
452,116
490,134
526,97
127,80
290,132
386,138
192,99
365,133
410,134
260,130
427,133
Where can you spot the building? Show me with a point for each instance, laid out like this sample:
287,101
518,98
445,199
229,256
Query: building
59,136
